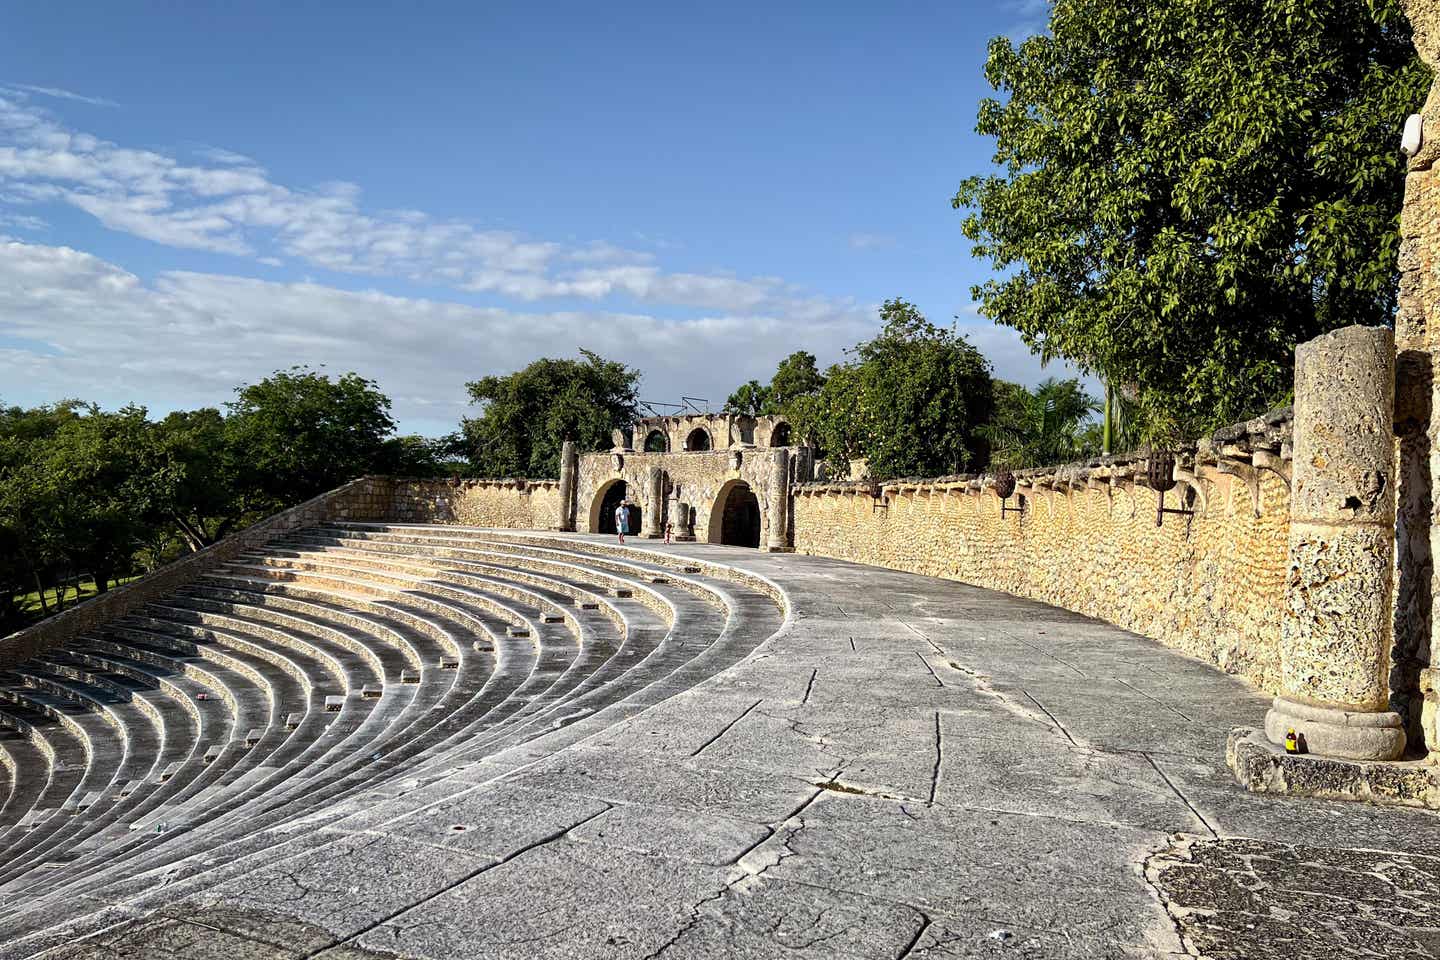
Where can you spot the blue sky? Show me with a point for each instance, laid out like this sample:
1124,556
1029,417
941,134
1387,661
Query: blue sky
192,196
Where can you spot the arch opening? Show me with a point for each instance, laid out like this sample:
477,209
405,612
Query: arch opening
602,511
735,519
780,436
699,439
657,442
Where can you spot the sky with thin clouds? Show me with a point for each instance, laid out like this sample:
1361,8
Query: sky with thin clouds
193,196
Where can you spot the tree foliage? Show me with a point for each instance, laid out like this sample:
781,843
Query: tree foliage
528,414
303,433
1047,425
909,401
98,495
796,380
749,399
1189,189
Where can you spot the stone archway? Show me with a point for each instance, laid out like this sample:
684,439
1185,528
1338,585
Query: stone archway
735,517
780,436
699,439
602,509
657,442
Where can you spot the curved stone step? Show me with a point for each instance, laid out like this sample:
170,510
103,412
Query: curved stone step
542,641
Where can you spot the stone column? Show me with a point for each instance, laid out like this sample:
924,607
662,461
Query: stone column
569,483
1336,627
654,517
681,528
779,495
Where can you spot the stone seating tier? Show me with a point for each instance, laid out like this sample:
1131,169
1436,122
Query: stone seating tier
194,737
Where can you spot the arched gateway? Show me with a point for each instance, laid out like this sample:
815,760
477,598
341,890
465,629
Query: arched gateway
602,511
735,518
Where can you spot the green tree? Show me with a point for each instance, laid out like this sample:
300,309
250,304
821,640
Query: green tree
1189,189
796,379
78,490
528,414
908,401
1048,425
749,399
298,433
204,497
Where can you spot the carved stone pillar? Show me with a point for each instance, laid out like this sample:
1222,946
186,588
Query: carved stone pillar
654,517
1336,627
569,483
681,527
779,496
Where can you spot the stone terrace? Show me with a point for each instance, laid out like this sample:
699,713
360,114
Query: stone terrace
677,751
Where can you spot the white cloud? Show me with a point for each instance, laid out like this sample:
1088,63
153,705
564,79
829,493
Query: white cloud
60,94
188,339
92,329
870,241
1032,17
226,157
22,221
228,204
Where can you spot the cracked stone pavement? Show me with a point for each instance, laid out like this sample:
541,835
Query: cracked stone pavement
913,768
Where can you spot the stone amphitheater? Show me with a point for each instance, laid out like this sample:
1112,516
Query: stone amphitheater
436,720
371,739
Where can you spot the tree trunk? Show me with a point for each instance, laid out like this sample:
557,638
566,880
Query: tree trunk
195,541
1109,418
40,591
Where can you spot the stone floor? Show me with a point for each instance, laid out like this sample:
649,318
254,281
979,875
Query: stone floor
911,768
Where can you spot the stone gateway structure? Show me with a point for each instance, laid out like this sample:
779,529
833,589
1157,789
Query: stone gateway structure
714,478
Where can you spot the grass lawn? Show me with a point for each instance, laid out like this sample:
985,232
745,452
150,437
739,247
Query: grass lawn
30,602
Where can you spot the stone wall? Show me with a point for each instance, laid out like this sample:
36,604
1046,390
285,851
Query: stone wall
520,504
703,480
368,498
1211,584
1417,430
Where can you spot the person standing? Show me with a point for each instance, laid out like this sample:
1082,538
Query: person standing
622,521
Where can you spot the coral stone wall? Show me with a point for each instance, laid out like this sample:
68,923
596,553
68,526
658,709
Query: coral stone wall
1212,585
521,504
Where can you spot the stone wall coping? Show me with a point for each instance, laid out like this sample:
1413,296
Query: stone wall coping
471,483
1263,441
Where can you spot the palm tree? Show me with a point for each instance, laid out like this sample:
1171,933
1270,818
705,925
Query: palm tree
1047,425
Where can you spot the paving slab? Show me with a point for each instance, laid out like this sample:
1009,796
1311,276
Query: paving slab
563,900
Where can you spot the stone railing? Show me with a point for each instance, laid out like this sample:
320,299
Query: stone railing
367,498
1084,536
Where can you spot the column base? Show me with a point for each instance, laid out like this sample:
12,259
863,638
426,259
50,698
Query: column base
1331,732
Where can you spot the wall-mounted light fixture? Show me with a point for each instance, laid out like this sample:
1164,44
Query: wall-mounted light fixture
1004,489
1160,477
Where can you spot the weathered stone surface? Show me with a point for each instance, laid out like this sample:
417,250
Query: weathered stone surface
1253,899
1265,768
911,768
1344,425
1335,635
1337,626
